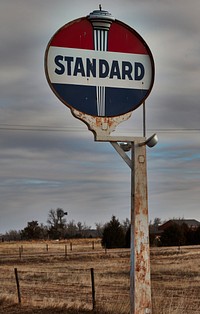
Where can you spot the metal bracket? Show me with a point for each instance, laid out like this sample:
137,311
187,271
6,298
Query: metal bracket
114,142
110,138
100,126
121,152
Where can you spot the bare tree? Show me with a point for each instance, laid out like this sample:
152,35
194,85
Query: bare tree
126,224
56,217
57,223
99,227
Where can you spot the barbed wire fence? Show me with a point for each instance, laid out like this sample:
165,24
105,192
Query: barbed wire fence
87,287
65,274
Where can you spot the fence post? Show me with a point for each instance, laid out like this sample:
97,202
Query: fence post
47,247
70,246
65,250
20,253
93,245
93,289
18,287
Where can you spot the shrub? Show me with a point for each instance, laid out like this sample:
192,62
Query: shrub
113,234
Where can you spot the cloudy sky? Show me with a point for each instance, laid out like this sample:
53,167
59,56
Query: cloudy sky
49,159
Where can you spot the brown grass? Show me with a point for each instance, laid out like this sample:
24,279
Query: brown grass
176,280
56,281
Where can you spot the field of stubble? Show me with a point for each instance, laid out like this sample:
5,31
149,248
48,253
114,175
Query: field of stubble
55,277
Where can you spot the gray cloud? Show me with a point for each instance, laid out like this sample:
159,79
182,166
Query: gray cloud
49,159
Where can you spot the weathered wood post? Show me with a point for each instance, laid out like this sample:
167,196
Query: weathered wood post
20,252
140,283
93,289
18,286
65,250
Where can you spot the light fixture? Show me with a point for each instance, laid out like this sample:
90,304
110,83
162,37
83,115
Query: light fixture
126,146
151,141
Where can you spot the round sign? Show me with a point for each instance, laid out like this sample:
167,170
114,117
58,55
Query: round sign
99,66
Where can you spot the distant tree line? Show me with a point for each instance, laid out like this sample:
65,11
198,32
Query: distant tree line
117,235
113,233
56,228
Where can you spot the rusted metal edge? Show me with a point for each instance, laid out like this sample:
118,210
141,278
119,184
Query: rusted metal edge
100,126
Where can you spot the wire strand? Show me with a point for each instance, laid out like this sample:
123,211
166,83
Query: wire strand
44,128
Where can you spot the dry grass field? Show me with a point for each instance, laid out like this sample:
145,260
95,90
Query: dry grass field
55,277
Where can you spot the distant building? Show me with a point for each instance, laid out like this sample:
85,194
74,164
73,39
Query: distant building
90,233
156,231
192,224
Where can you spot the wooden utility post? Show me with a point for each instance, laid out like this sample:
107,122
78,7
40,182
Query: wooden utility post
140,283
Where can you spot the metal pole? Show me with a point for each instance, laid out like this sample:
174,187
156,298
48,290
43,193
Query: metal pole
144,119
140,284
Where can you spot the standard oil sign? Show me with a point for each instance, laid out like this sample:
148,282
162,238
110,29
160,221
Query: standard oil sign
99,66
